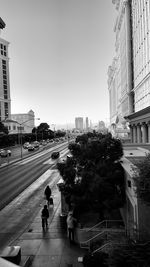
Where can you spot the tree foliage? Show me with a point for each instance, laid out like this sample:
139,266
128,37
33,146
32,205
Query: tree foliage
142,179
3,129
93,176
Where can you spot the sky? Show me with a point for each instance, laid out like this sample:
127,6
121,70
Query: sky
59,51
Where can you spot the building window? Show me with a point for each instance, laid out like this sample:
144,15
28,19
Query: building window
6,110
3,50
14,127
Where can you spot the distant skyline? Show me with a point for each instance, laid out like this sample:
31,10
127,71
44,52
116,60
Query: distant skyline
59,54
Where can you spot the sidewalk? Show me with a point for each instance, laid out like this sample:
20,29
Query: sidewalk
52,247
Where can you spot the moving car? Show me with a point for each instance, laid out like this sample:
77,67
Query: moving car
55,155
5,153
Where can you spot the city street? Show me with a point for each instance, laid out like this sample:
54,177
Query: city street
32,173
15,177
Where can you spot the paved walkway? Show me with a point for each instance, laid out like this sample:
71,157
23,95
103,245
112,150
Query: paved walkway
52,247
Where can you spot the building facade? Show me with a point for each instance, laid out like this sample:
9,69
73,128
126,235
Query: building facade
24,123
129,75
5,101
140,119
120,72
79,123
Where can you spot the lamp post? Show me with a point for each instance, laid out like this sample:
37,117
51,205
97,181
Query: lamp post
20,127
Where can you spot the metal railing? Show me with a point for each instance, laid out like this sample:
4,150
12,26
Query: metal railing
107,226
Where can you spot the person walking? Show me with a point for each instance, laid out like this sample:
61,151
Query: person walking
48,193
71,226
45,216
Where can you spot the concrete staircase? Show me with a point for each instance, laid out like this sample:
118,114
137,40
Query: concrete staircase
102,236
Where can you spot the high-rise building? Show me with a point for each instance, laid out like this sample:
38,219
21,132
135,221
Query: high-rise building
79,123
120,72
5,106
129,75
87,124
140,119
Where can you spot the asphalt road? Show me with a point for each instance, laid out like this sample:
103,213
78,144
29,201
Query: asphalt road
17,176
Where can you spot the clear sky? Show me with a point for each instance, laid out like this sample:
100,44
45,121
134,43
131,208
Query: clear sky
59,53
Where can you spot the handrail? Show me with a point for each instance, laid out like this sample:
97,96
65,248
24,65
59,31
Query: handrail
109,243
90,239
104,221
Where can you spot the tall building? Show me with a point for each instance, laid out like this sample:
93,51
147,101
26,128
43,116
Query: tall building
140,119
87,124
120,72
5,101
79,123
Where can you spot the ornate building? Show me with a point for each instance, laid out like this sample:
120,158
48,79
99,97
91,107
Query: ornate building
140,119
120,73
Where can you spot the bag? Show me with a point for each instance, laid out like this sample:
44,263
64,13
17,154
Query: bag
51,201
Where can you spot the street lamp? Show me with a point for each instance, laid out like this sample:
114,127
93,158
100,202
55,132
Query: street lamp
20,124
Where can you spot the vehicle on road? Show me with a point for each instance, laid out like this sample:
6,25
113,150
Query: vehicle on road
31,148
5,153
55,155
26,145
36,144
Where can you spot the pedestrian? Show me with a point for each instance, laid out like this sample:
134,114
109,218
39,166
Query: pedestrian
71,221
48,193
45,216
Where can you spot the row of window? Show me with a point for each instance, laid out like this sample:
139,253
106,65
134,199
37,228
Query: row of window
5,110
4,79
3,50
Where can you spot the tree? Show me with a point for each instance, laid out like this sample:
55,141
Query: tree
141,178
89,183
3,129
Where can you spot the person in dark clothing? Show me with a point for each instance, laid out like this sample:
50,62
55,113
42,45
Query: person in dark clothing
48,193
45,216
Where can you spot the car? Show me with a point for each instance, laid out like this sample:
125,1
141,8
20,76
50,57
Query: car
55,155
36,144
25,145
31,148
5,153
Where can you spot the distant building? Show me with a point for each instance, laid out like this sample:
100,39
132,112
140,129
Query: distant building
24,123
5,107
86,124
79,123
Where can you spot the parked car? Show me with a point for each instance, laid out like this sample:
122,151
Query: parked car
25,145
55,155
5,153
31,148
36,144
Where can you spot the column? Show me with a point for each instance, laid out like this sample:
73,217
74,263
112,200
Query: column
139,134
131,133
144,126
149,132
134,134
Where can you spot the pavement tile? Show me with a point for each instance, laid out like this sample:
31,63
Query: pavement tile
29,247
51,247
46,261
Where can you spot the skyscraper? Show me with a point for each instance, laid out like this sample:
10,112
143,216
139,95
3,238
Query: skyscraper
129,75
79,123
86,123
5,108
